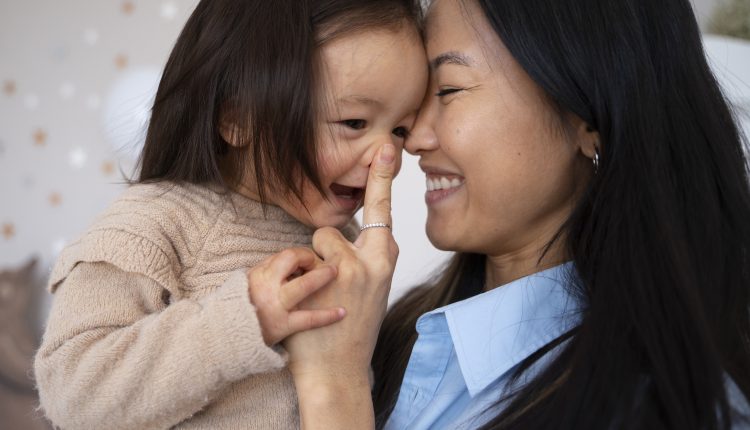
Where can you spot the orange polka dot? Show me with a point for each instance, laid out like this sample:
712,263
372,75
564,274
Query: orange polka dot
40,137
55,199
9,88
128,7
121,61
9,230
108,168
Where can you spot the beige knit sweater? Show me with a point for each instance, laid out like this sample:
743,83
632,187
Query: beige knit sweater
152,326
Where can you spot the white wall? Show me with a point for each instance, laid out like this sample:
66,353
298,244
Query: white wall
703,10
730,61
61,63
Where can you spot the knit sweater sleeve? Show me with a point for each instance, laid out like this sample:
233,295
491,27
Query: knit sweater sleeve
115,352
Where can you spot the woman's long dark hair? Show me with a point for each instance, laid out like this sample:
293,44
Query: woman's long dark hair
660,238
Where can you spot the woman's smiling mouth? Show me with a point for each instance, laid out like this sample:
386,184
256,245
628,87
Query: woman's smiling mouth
441,185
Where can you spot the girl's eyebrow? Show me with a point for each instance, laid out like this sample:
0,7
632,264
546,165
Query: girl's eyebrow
360,100
450,57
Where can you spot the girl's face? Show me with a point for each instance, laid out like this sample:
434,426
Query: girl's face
501,175
373,84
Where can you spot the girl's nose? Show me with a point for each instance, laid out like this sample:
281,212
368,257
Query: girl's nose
375,145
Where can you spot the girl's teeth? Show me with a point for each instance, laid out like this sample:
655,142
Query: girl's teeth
442,183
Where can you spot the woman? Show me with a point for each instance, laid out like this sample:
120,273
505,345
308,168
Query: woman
585,167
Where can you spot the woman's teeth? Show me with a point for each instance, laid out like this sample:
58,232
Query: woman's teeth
443,183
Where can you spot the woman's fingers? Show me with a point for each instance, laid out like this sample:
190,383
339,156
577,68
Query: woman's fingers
362,276
309,319
329,243
302,287
378,192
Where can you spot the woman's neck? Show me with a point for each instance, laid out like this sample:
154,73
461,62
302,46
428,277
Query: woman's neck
505,268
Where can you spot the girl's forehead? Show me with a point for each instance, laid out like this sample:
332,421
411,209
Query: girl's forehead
383,71
361,55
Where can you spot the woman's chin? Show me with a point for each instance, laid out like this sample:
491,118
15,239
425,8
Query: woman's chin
440,237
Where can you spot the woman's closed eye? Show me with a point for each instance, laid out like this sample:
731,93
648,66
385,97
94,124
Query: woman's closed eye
442,92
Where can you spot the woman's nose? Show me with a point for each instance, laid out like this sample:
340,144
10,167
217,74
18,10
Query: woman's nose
422,137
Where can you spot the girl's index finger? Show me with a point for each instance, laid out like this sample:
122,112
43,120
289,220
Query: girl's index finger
288,262
377,207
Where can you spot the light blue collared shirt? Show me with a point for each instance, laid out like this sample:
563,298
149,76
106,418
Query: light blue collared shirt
466,352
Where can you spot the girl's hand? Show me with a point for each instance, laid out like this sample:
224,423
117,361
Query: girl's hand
331,365
278,284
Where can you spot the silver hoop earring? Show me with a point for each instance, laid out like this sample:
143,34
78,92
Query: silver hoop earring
596,160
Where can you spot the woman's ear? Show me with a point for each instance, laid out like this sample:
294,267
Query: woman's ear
588,139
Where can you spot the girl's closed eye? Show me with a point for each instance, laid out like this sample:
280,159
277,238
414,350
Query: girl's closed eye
354,124
401,132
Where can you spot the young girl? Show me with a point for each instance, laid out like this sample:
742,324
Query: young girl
266,120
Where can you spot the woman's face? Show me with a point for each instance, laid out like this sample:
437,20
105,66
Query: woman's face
502,176
373,84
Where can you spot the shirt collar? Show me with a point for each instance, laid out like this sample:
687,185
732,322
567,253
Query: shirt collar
494,331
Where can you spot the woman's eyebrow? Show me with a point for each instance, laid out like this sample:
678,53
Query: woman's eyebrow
450,58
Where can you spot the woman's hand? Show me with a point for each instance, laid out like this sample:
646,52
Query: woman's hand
278,284
331,365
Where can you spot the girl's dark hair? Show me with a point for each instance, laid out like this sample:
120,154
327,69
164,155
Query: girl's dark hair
660,238
253,63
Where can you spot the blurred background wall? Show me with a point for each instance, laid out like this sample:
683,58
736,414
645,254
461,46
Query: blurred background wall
76,80
76,77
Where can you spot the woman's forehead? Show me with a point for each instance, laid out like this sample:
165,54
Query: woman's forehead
459,29
456,21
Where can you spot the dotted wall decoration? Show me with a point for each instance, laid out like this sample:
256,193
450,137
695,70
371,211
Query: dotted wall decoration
59,165
128,7
121,61
9,230
55,199
9,88
108,168
39,137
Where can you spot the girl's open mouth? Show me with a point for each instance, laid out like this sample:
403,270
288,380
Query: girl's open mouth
348,197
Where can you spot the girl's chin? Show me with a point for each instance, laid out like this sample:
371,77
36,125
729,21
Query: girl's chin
338,221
